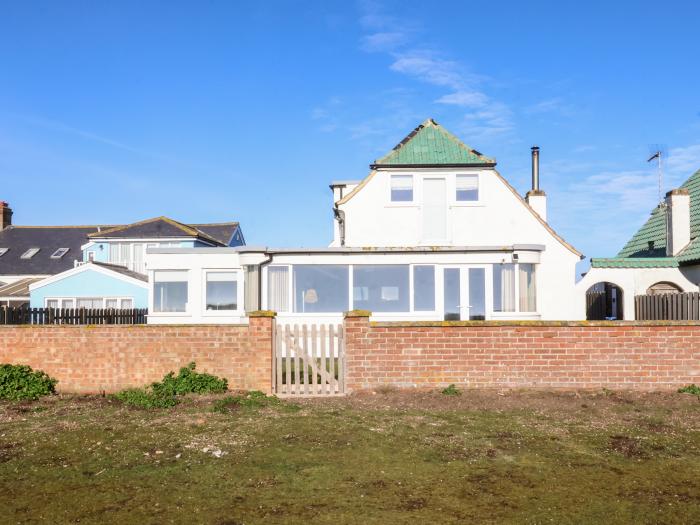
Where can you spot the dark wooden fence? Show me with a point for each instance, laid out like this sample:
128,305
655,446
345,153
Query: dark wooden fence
667,307
596,305
12,315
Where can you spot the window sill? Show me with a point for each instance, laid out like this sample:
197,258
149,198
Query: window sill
169,314
400,205
468,204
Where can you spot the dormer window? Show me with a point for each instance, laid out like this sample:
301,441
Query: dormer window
467,188
401,188
3,251
59,253
31,252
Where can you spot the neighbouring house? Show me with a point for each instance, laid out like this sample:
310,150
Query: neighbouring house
662,257
112,270
29,254
100,266
434,232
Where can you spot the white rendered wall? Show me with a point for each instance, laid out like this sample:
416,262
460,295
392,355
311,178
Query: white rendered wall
500,218
196,264
633,281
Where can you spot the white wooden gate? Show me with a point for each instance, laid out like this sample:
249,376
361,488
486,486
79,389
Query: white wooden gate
309,360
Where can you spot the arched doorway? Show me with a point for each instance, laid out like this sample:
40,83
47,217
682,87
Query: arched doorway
663,287
604,300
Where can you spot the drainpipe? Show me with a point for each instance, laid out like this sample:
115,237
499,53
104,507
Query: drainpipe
340,217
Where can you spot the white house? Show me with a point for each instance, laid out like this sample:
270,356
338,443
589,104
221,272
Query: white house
433,232
662,257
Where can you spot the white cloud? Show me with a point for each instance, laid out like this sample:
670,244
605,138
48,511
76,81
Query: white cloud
465,98
684,161
383,41
552,105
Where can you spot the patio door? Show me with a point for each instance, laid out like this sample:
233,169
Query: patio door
464,293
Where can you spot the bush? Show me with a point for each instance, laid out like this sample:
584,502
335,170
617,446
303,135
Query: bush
144,398
18,382
187,381
164,394
690,389
452,390
251,400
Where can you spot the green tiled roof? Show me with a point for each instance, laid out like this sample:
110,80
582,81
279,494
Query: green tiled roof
635,262
650,240
430,144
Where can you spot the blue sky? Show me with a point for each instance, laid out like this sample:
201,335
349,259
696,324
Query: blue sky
111,112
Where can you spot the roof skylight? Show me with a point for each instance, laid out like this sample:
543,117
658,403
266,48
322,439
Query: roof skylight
31,252
3,251
59,253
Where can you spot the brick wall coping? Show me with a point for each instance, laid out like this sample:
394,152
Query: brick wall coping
390,324
125,326
357,313
261,313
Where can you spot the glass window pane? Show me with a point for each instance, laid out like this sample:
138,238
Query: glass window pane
401,188
477,294
127,303
381,288
434,209
111,303
89,302
52,303
278,288
527,288
222,291
467,187
321,288
170,291
424,288
67,303
504,287
451,294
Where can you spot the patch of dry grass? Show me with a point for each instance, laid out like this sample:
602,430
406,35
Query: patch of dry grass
392,457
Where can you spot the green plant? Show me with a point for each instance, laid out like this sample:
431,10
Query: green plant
164,394
452,390
145,398
188,381
250,400
18,382
690,389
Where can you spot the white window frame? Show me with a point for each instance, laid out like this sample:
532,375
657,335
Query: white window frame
453,200
29,253
240,295
151,295
3,251
74,300
448,215
402,204
517,312
59,253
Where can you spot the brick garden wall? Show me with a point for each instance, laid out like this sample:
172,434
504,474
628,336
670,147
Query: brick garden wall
92,359
628,355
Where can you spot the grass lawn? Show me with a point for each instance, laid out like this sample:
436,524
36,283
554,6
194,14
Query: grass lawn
388,457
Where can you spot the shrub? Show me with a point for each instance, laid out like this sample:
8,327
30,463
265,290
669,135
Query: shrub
164,394
251,400
145,398
188,381
18,382
690,389
452,390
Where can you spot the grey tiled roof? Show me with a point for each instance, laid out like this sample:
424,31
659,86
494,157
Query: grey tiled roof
122,270
48,239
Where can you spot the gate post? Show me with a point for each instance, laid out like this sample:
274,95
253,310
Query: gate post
356,330
261,334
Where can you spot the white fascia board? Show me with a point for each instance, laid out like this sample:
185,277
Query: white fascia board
83,268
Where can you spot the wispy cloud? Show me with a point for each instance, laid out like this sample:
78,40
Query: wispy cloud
551,105
684,160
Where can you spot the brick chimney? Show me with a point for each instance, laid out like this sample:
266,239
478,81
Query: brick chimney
677,221
536,198
5,215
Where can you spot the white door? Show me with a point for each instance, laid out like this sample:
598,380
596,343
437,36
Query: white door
464,293
434,209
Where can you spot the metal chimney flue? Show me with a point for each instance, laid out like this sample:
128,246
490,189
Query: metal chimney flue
535,168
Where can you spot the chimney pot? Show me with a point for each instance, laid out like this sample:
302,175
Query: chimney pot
536,198
5,215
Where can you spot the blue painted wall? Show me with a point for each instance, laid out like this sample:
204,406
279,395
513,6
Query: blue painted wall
91,283
101,249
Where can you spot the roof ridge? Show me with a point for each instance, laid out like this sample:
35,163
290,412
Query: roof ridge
432,123
15,226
